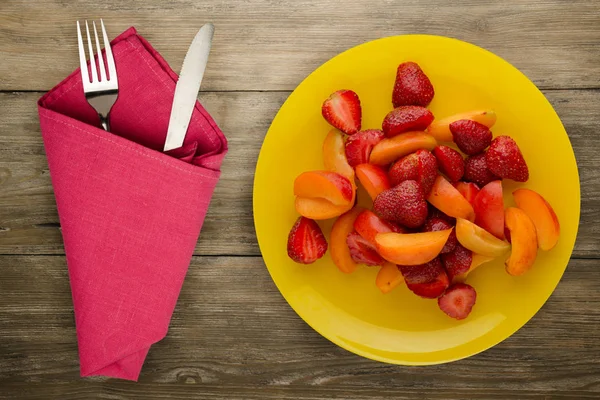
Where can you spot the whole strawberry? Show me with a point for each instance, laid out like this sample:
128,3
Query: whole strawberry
412,87
450,162
404,204
359,146
476,170
406,118
306,243
471,137
428,280
343,111
504,159
420,166
457,262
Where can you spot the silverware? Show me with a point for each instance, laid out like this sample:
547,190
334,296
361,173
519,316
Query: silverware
101,92
188,85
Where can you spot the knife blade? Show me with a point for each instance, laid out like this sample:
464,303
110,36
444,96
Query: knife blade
188,85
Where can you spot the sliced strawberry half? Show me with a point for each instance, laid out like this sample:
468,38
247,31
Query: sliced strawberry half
458,301
306,242
362,251
343,111
360,145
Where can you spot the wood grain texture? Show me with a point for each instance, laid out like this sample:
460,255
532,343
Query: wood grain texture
29,221
273,45
233,340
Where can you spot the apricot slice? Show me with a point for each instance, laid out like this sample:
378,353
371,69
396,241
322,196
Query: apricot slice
388,277
390,149
440,129
524,241
489,209
368,225
334,155
448,200
476,261
327,185
338,247
543,216
319,208
478,240
373,178
411,248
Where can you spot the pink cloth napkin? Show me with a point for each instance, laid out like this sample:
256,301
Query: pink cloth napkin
130,214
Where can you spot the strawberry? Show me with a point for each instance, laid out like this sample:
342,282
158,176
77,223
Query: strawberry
457,262
435,213
362,251
412,86
427,280
306,243
504,159
458,301
450,162
476,170
342,110
404,204
471,137
420,166
406,118
359,146
438,224
469,190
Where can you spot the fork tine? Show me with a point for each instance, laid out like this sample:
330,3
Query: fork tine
100,57
82,60
91,50
110,61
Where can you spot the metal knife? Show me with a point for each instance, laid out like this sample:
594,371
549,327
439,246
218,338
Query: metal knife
188,85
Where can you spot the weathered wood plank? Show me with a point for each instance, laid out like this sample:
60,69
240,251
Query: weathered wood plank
233,340
273,45
29,222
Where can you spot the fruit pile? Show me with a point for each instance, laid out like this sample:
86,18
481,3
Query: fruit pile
436,215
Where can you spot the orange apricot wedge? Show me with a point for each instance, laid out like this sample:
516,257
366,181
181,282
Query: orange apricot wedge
391,149
411,248
478,240
334,155
440,129
523,238
388,277
327,185
319,209
449,200
338,247
373,178
543,216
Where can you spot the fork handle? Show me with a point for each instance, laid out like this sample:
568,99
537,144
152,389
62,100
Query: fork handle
104,122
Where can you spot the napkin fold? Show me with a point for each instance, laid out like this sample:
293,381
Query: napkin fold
130,214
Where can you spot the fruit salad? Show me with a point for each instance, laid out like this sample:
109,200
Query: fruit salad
437,197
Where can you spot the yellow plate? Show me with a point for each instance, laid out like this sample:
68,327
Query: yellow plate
400,327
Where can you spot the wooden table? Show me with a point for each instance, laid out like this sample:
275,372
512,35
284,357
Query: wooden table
232,335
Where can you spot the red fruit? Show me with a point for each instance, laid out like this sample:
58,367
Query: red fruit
406,118
457,262
458,300
368,225
435,213
362,251
468,189
420,166
426,280
438,224
359,146
505,159
489,209
471,137
404,204
476,170
450,162
306,243
342,110
412,87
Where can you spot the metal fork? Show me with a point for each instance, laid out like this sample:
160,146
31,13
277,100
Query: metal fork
101,92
